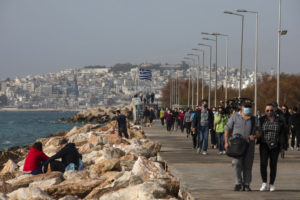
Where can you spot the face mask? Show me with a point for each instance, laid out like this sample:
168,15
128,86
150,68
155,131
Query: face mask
215,112
205,105
269,114
247,111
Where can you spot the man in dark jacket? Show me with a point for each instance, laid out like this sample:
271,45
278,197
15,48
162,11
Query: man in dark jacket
295,125
68,154
202,122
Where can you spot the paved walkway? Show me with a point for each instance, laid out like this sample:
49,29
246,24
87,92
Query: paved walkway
212,177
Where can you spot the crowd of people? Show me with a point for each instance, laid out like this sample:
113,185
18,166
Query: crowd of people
274,131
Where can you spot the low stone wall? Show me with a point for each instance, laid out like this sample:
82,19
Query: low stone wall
116,168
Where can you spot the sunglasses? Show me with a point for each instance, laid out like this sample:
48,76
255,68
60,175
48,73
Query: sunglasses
269,110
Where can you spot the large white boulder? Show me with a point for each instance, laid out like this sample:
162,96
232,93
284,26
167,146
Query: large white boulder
29,193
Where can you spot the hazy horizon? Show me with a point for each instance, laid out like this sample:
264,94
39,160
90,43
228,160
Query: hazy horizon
39,37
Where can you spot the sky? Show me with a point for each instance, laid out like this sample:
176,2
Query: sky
38,37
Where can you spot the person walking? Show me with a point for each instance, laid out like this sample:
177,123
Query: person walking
123,124
219,127
151,116
295,125
180,119
175,121
187,122
213,136
168,118
203,121
272,142
247,126
162,116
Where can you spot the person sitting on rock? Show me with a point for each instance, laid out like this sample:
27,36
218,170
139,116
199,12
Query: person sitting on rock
70,159
123,123
35,159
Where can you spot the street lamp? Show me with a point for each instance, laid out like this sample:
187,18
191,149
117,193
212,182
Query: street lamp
226,78
216,75
189,86
191,54
209,85
280,32
256,56
241,61
202,96
192,80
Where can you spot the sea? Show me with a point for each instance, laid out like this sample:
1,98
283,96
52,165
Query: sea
23,128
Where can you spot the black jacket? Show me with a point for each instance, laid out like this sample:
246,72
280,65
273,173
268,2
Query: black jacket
68,154
295,121
197,119
282,138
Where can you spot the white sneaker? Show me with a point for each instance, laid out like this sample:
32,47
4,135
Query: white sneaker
220,152
292,148
224,152
204,153
264,187
272,188
198,150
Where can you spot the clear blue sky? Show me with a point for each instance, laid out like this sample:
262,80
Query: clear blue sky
49,36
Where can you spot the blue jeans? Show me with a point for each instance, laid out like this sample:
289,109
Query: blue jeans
221,141
203,135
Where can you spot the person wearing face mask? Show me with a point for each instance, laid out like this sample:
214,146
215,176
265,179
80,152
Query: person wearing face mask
272,142
245,125
219,127
202,122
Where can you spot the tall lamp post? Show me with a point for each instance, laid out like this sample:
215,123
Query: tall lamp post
216,67
280,32
192,82
209,85
202,71
189,86
241,59
226,78
191,54
256,56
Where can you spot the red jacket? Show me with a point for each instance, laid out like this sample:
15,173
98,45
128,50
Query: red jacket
181,116
34,159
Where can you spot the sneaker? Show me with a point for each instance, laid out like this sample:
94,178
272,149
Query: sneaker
198,150
292,148
204,153
246,188
264,187
220,153
297,148
272,188
224,152
238,187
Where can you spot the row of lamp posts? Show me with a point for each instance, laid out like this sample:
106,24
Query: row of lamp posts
280,32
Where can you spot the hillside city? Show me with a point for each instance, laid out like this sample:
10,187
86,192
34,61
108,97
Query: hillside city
95,86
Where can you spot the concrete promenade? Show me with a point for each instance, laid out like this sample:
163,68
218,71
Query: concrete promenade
212,177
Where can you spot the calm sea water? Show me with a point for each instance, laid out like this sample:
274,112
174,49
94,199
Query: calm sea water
23,128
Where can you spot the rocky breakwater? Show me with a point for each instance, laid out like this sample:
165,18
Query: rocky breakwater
116,169
99,115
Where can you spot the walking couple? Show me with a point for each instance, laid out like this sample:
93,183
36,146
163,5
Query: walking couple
270,133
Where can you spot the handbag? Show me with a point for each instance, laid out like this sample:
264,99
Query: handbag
238,147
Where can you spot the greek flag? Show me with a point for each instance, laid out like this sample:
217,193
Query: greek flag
145,74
